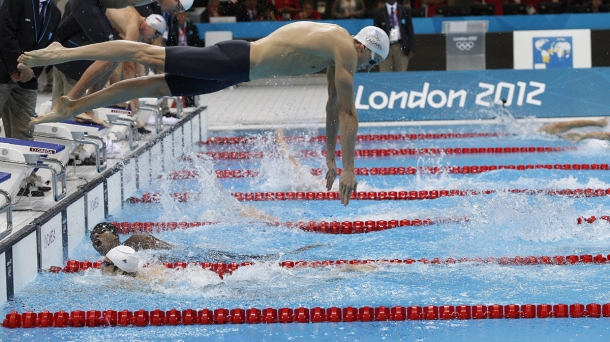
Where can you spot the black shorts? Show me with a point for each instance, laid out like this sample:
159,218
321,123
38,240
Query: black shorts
193,70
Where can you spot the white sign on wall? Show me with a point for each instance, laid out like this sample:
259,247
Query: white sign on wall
552,49
51,246
95,206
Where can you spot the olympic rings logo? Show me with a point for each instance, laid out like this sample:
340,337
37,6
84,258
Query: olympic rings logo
464,46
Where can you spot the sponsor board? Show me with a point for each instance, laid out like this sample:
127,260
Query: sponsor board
51,243
459,95
552,49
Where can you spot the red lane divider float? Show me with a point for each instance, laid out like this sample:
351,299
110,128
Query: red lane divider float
359,137
173,317
74,266
375,195
389,152
328,227
404,170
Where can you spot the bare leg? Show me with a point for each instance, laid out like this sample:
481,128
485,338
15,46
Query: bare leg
113,51
560,127
150,86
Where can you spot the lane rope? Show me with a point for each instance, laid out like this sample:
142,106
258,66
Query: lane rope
327,227
174,317
389,152
184,197
403,170
359,137
75,266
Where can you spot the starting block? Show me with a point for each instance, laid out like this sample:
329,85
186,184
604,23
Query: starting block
5,205
82,136
21,157
121,123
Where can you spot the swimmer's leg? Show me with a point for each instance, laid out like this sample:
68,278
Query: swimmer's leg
113,51
560,127
149,86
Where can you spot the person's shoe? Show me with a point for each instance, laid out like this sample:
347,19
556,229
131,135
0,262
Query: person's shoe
44,188
170,115
27,192
143,130
36,193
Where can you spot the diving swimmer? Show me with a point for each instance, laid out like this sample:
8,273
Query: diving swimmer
558,128
292,50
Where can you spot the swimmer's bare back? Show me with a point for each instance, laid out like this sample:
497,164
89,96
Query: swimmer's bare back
299,49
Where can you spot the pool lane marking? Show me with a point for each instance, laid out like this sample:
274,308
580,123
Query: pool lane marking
242,140
388,152
220,268
402,170
148,197
320,226
174,317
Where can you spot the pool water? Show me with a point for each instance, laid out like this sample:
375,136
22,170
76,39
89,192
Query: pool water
500,224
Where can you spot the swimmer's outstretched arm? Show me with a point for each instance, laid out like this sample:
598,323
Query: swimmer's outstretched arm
341,115
149,86
113,51
560,127
576,137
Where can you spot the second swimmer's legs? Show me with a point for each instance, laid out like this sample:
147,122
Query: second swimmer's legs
113,51
150,86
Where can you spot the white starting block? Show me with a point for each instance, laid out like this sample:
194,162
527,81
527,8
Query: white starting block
82,136
21,157
5,204
152,104
122,124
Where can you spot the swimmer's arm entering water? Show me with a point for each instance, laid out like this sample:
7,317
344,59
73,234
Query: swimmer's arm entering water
341,116
560,127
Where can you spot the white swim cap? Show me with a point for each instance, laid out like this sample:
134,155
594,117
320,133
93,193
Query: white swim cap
375,39
124,258
186,4
157,21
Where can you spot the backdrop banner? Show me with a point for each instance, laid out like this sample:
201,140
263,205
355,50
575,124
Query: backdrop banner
467,95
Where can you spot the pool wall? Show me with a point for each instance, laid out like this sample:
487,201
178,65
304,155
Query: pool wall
50,239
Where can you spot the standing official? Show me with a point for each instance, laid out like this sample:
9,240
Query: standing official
25,25
395,20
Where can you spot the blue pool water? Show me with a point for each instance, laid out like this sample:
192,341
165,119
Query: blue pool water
501,224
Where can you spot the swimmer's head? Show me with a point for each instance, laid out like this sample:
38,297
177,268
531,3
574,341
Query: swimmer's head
153,27
120,260
377,42
104,237
175,6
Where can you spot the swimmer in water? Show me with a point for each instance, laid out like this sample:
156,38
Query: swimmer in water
292,50
105,237
558,128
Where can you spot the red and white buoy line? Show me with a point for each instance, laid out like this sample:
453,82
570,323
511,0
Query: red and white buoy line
373,195
324,227
74,266
174,317
404,170
390,152
359,137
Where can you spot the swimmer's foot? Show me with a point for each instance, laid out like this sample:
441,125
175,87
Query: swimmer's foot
60,112
89,117
48,56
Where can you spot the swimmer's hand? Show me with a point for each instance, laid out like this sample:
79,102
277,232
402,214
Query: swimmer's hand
331,174
573,137
347,185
